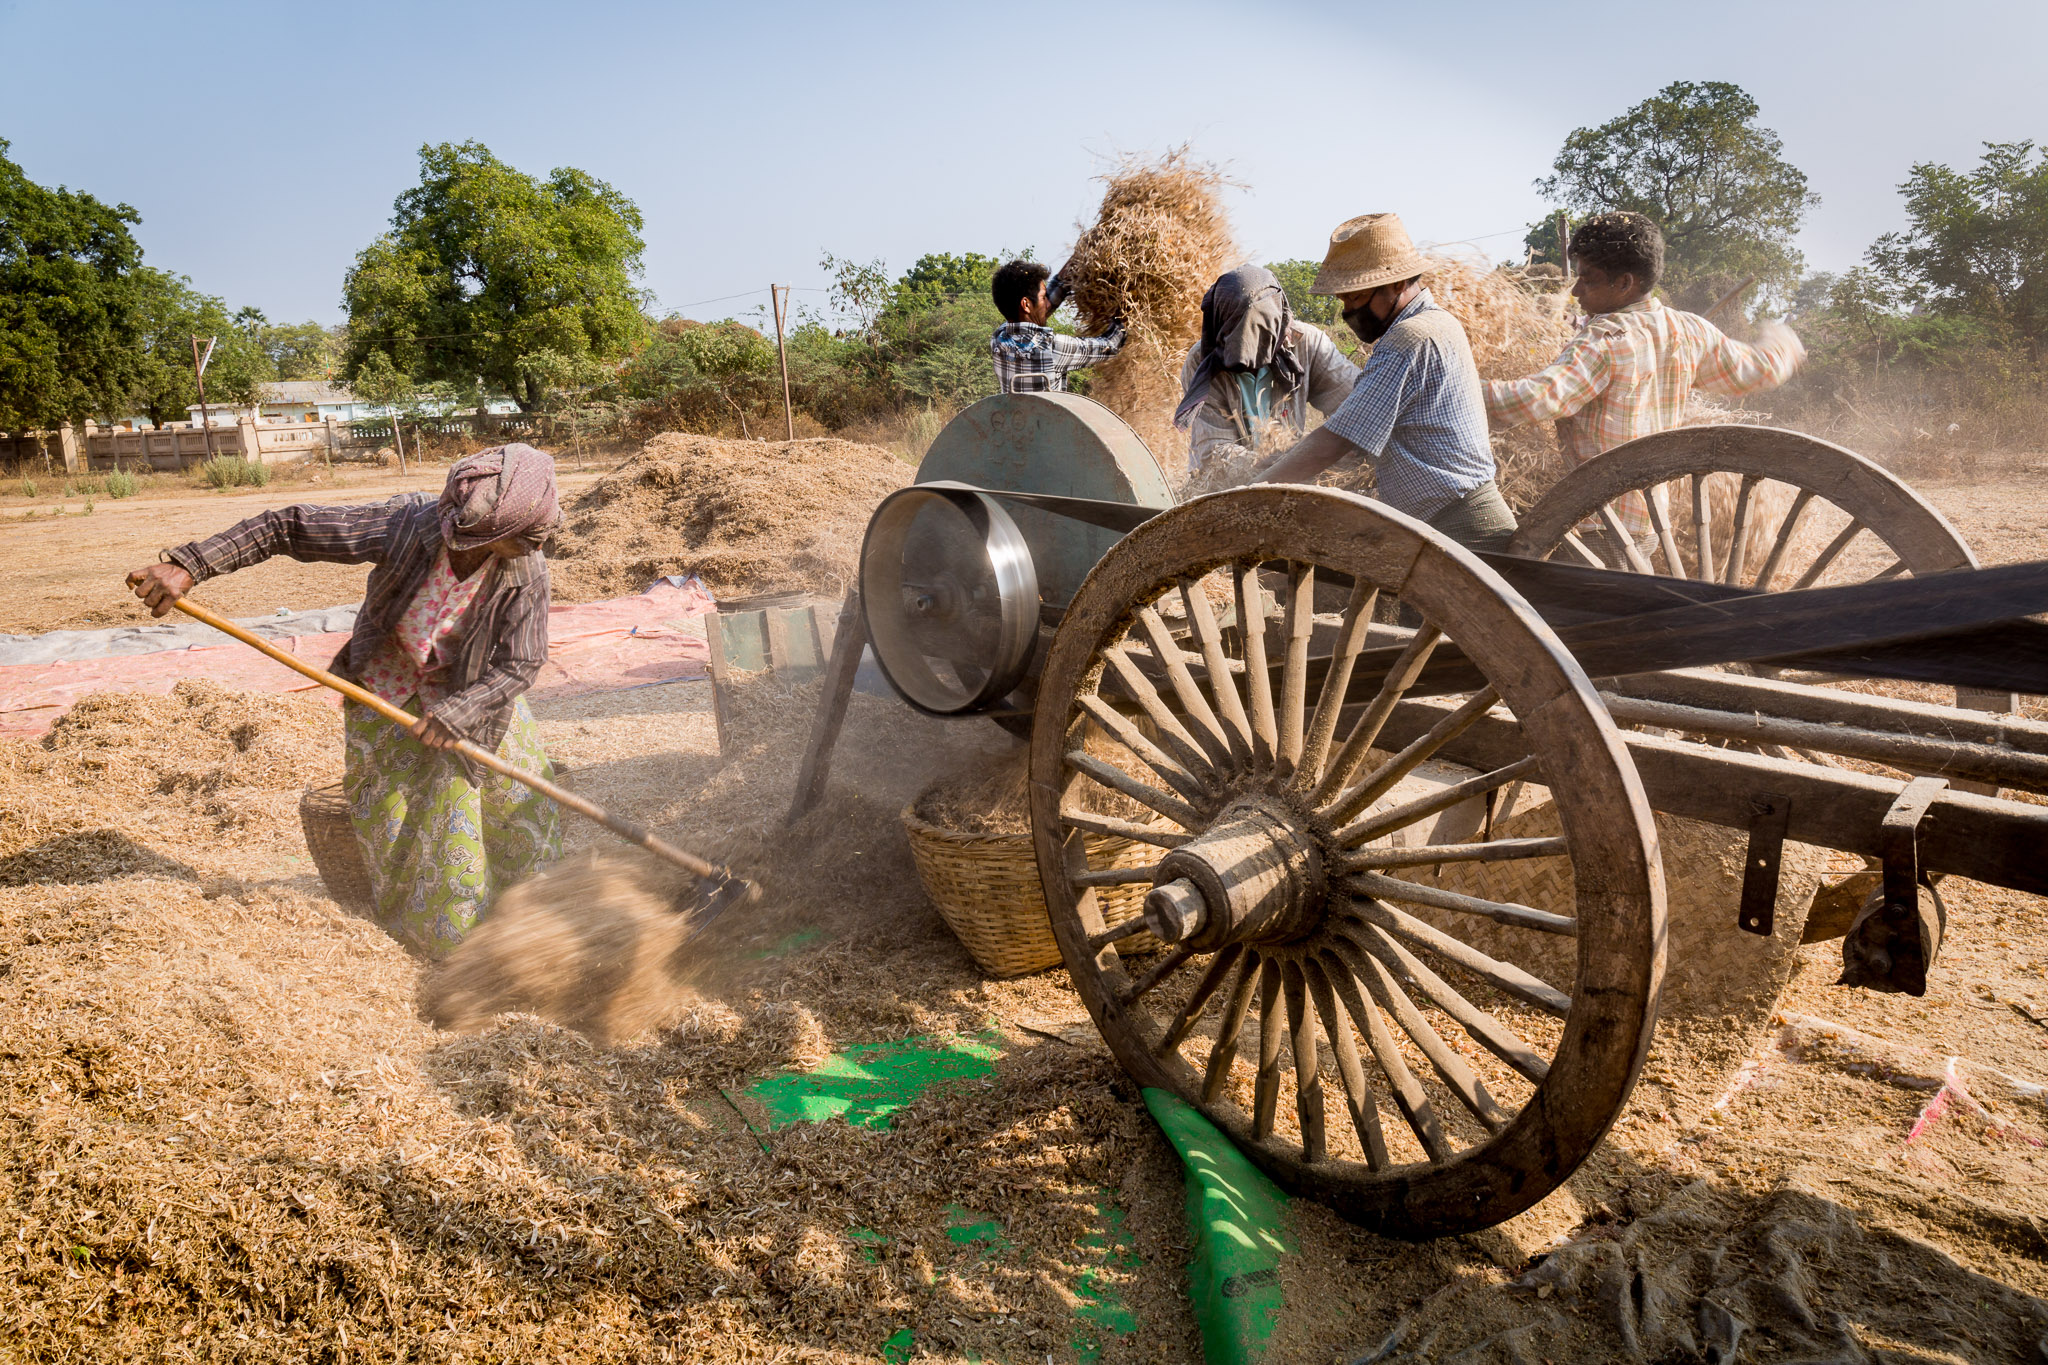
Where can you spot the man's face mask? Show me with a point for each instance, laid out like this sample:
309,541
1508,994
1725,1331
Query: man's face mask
1365,325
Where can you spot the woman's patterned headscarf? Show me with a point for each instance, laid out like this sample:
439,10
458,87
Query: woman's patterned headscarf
500,492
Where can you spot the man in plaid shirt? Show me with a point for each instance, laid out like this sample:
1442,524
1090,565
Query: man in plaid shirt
1632,366
1030,357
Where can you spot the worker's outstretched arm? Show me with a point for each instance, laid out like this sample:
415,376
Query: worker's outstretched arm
1732,368
1308,457
1560,389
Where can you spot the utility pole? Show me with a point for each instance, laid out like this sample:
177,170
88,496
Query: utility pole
1564,244
778,299
199,377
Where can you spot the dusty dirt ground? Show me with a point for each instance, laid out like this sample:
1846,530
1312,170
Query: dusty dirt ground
310,1172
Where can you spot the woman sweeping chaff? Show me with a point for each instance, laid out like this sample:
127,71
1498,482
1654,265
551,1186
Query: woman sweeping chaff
453,628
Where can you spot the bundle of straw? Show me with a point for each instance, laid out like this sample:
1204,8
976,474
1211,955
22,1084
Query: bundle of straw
1158,242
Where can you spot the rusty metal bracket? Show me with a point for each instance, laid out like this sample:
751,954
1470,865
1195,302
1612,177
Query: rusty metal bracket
1770,814
1896,937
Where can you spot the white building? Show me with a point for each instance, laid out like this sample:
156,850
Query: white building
316,400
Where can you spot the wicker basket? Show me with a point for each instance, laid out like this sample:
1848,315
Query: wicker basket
986,886
331,839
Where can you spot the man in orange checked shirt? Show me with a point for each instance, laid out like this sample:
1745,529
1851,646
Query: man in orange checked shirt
1634,363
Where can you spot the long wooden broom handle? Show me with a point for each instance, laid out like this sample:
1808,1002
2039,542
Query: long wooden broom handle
625,829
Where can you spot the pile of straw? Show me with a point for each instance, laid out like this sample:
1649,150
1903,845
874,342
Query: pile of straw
1516,327
1158,242
745,516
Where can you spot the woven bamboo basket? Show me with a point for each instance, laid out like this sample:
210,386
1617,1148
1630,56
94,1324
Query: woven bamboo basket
331,839
986,887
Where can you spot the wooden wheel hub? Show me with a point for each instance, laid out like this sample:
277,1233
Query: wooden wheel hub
1256,875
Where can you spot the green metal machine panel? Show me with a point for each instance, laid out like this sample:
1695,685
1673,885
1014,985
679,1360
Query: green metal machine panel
1056,443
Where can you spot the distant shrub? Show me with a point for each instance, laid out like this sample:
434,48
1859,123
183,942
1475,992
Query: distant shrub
28,488
234,471
121,484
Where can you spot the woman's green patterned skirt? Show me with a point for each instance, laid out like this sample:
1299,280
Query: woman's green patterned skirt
440,848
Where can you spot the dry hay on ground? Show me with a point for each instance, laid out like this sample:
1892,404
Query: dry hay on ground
1158,242
746,516
225,1128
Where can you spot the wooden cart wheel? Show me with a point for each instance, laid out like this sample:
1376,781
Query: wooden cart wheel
1471,1087
1787,511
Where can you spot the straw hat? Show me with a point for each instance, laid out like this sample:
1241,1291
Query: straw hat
1367,252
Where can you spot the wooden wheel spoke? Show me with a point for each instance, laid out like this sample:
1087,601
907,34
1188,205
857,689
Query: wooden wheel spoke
1172,734
1148,753
1110,828
1190,1013
1408,666
1217,1073
1266,1087
1382,780
1117,876
1308,1077
1116,779
1407,1091
1702,530
1503,976
1251,621
1116,933
1673,565
1786,530
1483,1028
1162,969
1738,530
1382,887
1167,650
1358,1099
1428,855
1611,520
1201,616
1828,556
1350,640
1453,1069
1898,566
1301,624
1586,556
1374,826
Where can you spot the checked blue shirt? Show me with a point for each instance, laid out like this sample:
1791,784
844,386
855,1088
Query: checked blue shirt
1418,412
1034,359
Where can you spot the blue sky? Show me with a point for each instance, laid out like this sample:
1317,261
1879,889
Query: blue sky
756,137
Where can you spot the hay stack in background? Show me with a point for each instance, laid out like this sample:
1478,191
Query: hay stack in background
1158,242
1516,327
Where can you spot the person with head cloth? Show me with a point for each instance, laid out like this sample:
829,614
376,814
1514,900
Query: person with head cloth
453,627
1247,385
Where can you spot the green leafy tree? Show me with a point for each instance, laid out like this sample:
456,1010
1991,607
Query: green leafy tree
67,316
1693,158
485,267
1295,278
733,358
168,313
1978,241
299,350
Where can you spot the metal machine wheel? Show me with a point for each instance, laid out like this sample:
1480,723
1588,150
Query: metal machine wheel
1787,511
1286,877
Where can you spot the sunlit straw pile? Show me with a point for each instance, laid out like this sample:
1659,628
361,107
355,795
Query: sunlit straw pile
1158,242
746,516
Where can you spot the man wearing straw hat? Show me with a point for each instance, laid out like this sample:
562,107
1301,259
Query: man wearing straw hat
1418,412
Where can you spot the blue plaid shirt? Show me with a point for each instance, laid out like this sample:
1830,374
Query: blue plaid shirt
1419,413
1034,359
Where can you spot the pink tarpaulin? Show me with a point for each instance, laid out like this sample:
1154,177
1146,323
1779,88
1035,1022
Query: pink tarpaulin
592,647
